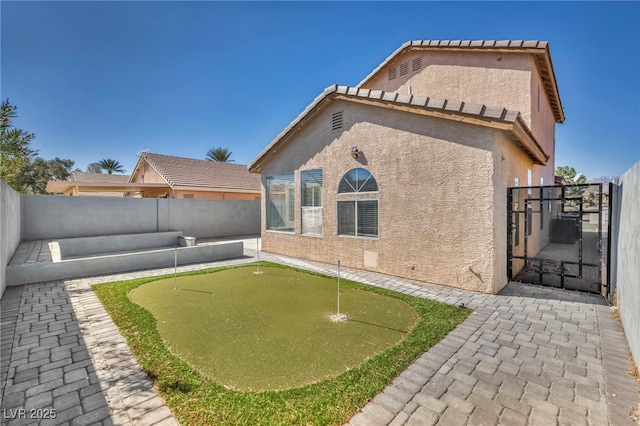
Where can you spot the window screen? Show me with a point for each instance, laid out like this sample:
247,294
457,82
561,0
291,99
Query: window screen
347,218
358,218
311,185
367,212
280,202
311,182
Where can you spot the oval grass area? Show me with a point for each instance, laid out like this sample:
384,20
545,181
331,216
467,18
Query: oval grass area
271,331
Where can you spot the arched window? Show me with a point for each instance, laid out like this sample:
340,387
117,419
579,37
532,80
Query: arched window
358,218
357,180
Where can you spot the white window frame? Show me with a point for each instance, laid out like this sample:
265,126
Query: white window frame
355,213
348,197
313,210
288,212
358,190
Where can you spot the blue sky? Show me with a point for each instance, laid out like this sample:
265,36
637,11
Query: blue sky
99,80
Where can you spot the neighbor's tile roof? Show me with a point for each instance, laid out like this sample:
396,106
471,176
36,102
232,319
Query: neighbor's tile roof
98,177
539,50
496,117
190,172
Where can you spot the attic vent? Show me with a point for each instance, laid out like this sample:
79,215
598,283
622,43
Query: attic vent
404,68
336,120
392,74
416,64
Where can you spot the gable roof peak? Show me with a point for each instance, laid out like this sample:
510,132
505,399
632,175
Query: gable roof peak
539,49
194,172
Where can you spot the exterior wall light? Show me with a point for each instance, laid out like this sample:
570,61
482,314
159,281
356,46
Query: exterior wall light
355,152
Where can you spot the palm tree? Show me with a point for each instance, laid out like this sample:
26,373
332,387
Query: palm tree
111,166
219,155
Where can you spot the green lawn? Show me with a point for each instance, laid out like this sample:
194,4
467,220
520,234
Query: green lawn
271,331
206,352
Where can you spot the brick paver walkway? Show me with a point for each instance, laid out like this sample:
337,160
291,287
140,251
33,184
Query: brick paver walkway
529,356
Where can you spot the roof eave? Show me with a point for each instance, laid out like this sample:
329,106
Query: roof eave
509,121
543,61
523,136
498,118
216,189
256,165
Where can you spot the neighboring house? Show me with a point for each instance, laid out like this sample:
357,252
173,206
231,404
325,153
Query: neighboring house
91,184
180,177
407,173
559,180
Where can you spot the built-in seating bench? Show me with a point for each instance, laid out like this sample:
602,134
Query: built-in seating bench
99,255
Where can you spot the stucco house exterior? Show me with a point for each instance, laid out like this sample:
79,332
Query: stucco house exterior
407,173
180,177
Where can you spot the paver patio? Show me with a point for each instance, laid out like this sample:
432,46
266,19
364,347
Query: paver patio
528,356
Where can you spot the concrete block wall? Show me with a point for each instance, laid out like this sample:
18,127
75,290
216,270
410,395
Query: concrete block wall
628,258
50,217
10,228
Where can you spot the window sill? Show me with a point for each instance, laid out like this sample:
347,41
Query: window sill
313,235
360,237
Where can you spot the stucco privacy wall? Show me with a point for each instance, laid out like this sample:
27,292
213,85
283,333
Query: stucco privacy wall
50,217
10,226
435,196
628,255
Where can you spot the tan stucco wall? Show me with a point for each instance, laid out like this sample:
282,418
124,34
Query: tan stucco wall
511,163
436,198
147,175
509,80
543,128
490,78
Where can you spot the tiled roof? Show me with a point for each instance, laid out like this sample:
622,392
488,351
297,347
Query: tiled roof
539,50
190,172
98,177
483,115
444,105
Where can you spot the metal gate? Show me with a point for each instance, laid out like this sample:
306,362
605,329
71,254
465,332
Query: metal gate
557,236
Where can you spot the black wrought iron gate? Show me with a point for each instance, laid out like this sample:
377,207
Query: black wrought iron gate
557,236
